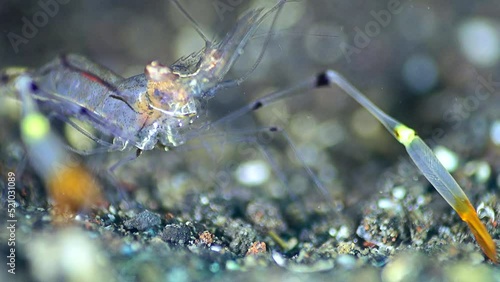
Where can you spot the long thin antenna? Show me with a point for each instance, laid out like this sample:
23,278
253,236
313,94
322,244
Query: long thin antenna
192,20
235,82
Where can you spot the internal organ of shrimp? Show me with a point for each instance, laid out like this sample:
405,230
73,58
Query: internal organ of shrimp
147,108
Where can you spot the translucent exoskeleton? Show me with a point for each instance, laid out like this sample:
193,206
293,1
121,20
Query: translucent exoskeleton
152,108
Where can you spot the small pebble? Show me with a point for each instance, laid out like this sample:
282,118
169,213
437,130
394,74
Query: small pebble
206,238
216,248
176,234
265,215
143,221
257,248
278,258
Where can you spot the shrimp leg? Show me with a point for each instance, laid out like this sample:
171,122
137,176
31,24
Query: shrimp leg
419,152
427,162
68,182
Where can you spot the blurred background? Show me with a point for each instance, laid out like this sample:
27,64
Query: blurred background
420,61
433,66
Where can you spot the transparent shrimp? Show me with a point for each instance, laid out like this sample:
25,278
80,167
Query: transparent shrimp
157,107
153,109
149,109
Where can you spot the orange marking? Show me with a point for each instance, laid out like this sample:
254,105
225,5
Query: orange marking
468,214
73,188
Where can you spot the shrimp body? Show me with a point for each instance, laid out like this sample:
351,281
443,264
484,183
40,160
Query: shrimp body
147,108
